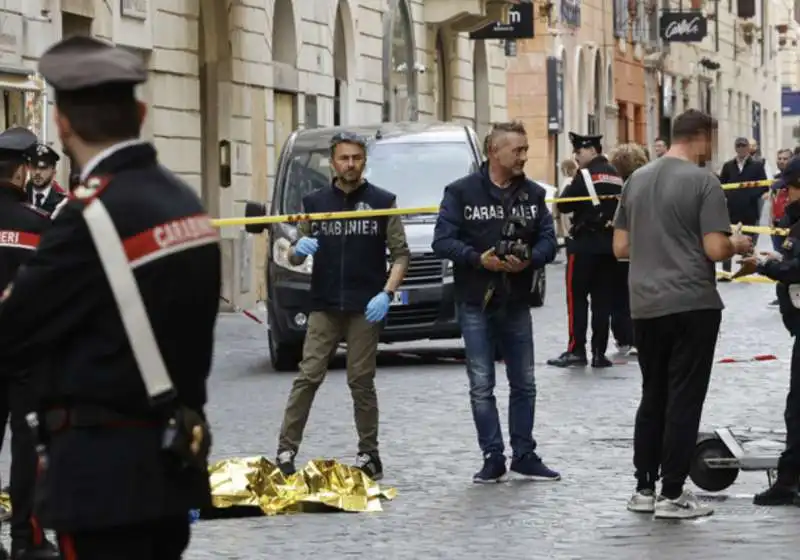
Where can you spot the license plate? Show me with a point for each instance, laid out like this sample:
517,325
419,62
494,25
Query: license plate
400,298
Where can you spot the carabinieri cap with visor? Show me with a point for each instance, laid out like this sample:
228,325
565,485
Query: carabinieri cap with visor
15,144
585,141
42,156
84,63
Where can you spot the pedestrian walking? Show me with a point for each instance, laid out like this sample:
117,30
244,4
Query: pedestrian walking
350,297
784,267
118,307
744,205
591,265
495,227
626,158
672,223
21,226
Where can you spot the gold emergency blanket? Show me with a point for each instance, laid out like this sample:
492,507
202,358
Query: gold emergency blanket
255,482
5,506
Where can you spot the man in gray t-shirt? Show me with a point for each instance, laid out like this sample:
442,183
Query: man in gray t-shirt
672,222
667,207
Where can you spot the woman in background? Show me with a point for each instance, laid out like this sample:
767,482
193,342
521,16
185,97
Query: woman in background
626,158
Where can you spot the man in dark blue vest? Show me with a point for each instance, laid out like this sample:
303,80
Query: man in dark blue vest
493,274
350,297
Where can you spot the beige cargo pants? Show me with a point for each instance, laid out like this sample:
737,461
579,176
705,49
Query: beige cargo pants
325,331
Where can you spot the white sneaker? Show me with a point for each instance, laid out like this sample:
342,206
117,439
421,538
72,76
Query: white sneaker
643,501
623,349
632,351
686,506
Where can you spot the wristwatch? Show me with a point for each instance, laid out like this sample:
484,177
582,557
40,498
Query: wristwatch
389,293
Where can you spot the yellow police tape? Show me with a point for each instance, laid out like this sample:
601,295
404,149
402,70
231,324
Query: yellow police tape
752,279
350,214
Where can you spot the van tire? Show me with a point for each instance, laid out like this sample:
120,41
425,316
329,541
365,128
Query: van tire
284,356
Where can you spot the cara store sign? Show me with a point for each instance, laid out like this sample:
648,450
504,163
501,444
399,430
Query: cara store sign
683,27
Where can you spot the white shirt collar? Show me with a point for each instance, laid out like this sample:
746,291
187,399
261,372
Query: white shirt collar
45,192
108,152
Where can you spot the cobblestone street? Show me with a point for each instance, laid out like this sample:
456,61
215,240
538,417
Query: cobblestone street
584,425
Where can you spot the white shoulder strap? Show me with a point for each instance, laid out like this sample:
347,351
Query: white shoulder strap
129,300
587,178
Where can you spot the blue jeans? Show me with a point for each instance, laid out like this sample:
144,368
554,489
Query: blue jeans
509,330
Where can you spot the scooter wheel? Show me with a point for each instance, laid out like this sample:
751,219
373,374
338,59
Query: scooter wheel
705,477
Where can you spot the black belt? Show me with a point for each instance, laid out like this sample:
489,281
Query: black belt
92,416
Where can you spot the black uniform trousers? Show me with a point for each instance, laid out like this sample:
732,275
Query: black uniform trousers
165,539
15,402
621,324
789,463
590,277
676,354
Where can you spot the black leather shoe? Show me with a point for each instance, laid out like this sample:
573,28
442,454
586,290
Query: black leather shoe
777,495
45,551
568,359
600,361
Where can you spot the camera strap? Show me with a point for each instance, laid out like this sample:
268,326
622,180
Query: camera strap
131,307
587,178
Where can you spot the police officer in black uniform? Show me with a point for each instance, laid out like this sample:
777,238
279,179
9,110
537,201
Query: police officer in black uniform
591,264
21,226
123,466
784,267
43,192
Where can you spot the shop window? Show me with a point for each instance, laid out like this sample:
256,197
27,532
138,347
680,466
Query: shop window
400,93
13,113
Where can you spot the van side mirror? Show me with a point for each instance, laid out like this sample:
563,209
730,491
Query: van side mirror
255,210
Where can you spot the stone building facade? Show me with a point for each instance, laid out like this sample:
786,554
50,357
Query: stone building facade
575,34
620,79
733,73
231,79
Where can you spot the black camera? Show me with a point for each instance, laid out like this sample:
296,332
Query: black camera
511,242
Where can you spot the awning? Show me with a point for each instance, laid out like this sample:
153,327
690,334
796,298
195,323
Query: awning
19,82
466,15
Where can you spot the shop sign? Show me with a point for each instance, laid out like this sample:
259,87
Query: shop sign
136,9
555,95
518,26
683,27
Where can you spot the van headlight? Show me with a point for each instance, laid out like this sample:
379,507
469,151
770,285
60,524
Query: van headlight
280,256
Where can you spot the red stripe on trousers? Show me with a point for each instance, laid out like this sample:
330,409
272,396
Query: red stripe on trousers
570,303
67,547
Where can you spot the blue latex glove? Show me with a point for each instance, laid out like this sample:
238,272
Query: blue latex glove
377,308
306,246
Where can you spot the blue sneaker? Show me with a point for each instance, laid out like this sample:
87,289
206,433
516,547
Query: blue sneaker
493,471
531,466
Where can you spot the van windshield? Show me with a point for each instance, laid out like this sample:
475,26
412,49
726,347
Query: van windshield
416,172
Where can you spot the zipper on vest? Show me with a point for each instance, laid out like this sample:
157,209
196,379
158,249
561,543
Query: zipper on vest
341,259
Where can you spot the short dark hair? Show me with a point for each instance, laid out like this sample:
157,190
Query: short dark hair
661,139
785,150
347,138
692,123
502,128
8,167
103,114
797,151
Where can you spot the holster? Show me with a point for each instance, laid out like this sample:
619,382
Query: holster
186,440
